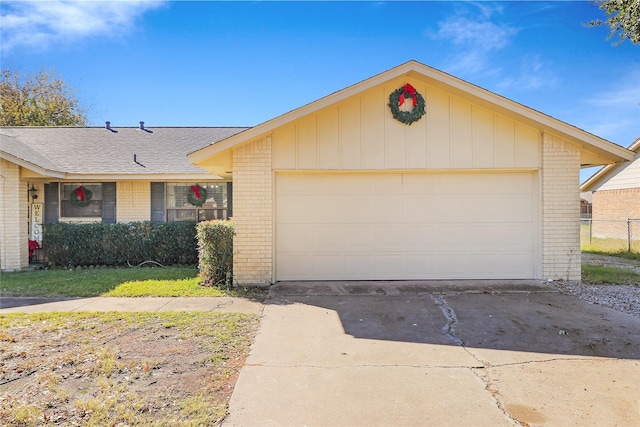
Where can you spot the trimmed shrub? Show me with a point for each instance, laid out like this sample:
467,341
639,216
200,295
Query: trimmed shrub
120,244
215,252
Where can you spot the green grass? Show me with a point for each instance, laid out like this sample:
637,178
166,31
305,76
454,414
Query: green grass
608,246
165,288
603,250
592,274
122,282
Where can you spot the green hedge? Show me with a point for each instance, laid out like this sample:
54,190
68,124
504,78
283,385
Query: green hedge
132,243
215,252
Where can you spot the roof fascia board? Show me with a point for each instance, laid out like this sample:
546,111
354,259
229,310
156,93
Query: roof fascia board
417,70
149,177
32,167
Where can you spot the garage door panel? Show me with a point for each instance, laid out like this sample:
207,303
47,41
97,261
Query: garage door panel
294,238
388,266
496,237
390,238
405,226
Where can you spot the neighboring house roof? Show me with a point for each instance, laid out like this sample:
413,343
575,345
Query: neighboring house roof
595,150
610,171
94,152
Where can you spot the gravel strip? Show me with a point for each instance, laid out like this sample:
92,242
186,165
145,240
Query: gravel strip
624,298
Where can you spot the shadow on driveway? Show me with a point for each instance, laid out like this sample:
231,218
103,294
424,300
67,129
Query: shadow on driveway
524,317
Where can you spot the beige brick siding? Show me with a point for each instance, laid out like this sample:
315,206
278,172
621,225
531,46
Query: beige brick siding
133,201
560,209
615,206
253,213
14,233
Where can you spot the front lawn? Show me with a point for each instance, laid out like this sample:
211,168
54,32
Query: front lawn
122,282
108,369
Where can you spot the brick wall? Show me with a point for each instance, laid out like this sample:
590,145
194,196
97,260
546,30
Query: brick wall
14,233
612,205
133,201
560,209
253,213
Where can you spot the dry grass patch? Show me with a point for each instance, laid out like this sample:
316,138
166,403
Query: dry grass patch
136,369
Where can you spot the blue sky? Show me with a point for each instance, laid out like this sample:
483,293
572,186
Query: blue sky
242,63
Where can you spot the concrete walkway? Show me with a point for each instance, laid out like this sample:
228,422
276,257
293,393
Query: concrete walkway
416,354
223,304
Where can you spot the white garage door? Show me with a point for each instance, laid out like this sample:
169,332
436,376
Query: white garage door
347,226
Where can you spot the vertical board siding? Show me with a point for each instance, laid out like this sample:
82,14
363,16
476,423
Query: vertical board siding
307,143
461,122
438,130
328,139
350,134
373,107
360,133
483,144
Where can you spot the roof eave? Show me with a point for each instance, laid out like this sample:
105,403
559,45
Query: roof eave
602,173
48,173
144,177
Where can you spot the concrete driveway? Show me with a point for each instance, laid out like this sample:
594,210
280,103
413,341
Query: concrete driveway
438,354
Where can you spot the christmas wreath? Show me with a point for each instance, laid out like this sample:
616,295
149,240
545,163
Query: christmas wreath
397,98
197,196
80,197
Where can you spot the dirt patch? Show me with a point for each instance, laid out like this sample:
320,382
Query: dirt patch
120,368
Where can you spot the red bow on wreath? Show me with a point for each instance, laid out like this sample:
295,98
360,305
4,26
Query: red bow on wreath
196,190
411,91
80,192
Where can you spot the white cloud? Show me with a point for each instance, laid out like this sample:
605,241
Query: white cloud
614,114
479,41
475,39
534,74
39,24
482,35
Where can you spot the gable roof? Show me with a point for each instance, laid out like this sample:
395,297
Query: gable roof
595,150
95,152
608,171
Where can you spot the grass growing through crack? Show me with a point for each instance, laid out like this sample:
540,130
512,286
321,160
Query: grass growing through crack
96,369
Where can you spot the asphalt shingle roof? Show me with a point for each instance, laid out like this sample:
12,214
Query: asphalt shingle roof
97,150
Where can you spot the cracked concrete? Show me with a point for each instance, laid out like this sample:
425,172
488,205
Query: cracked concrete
421,354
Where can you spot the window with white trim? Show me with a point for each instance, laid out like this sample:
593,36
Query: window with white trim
179,209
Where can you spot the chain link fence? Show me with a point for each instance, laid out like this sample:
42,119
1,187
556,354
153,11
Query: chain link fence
610,235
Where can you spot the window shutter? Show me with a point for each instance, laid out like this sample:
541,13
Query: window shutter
157,202
229,200
51,202
109,202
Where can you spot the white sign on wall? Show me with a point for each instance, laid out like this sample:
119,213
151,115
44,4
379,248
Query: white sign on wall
36,222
